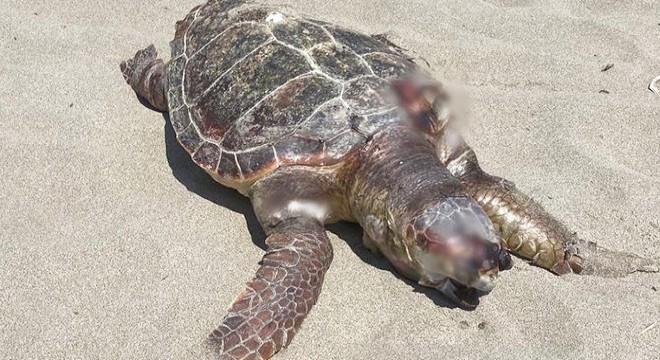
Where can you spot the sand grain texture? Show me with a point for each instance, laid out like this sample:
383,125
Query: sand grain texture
112,245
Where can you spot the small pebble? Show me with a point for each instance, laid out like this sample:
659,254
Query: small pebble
654,288
71,105
603,92
75,313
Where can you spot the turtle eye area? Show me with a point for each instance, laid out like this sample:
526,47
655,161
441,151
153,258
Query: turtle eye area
422,241
505,261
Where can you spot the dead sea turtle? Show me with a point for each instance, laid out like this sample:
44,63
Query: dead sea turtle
316,124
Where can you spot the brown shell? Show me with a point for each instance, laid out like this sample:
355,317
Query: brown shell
251,89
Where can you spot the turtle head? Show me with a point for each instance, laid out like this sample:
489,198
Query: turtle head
455,249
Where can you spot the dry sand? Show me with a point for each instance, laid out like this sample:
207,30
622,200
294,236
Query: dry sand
112,245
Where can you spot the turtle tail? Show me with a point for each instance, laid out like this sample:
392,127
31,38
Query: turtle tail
145,73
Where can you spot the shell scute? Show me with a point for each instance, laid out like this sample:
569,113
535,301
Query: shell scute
219,55
339,61
244,85
300,34
175,97
367,95
208,156
281,112
228,167
174,71
257,160
189,138
329,120
180,119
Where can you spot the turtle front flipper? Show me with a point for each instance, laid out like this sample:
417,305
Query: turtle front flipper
527,229
266,315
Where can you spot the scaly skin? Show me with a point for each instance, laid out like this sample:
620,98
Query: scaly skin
266,315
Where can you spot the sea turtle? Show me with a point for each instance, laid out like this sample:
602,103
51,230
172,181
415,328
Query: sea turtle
316,123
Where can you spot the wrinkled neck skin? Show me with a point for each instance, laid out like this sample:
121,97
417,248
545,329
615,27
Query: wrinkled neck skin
397,176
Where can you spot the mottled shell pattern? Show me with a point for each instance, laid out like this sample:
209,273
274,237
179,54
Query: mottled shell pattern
252,89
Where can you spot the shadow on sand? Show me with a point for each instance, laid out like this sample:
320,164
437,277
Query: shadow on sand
199,182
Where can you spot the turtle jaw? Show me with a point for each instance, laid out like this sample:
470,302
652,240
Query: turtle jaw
464,296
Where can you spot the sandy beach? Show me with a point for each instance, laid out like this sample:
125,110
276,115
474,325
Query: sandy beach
113,245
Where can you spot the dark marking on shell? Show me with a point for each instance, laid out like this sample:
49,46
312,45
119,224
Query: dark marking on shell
301,35
339,61
360,43
389,66
189,138
207,155
280,113
227,166
244,85
210,62
257,160
367,95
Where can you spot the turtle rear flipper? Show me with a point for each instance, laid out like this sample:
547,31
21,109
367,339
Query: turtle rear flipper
145,73
585,257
